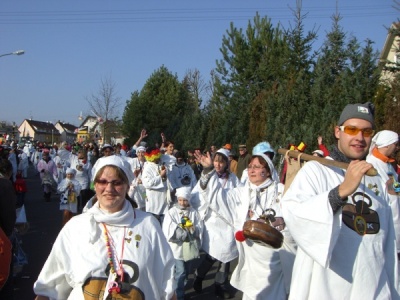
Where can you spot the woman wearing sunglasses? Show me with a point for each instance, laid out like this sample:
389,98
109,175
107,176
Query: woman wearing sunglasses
113,249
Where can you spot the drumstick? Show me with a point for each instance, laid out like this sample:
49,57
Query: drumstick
322,161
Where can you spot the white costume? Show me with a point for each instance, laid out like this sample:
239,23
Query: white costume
12,157
218,243
83,170
66,202
168,161
384,167
156,189
26,150
23,164
137,191
61,167
36,156
182,175
172,219
262,272
79,255
333,261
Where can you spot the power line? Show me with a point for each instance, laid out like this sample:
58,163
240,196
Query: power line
183,15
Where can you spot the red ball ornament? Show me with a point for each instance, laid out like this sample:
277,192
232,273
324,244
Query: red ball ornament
239,236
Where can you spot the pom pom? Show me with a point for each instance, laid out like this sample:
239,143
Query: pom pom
239,236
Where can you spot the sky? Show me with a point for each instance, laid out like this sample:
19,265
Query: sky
71,46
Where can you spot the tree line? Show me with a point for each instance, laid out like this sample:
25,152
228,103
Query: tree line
269,85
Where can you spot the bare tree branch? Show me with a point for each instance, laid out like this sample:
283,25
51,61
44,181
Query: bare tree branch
105,103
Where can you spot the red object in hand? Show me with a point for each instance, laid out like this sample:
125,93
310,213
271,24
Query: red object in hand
239,236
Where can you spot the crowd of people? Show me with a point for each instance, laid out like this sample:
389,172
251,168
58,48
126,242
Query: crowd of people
146,213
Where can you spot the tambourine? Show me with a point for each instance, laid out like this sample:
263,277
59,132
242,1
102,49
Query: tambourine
262,233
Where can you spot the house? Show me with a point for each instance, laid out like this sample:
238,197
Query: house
67,131
89,130
40,131
390,56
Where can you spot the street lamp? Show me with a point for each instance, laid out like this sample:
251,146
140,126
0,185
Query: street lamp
18,52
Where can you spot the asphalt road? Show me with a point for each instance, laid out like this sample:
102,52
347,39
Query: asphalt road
44,224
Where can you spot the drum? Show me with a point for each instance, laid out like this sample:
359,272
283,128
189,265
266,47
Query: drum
262,233
185,180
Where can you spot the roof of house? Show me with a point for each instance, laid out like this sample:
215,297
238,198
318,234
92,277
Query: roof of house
39,126
69,128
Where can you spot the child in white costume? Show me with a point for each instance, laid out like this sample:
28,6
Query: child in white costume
69,188
182,226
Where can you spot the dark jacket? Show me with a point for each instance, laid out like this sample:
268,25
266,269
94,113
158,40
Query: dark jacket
8,200
242,164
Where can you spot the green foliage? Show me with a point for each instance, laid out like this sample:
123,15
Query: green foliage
158,107
268,85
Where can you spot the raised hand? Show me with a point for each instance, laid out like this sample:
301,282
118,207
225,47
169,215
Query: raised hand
204,160
143,134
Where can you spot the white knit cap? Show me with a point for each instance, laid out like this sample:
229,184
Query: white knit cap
183,192
105,146
224,152
320,152
141,149
70,171
116,161
384,138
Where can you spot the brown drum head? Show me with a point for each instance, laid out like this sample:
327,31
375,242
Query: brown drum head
263,233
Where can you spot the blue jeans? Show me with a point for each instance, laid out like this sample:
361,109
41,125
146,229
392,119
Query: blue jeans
182,269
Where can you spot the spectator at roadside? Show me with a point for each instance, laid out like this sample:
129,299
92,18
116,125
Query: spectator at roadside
243,161
7,217
233,162
322,147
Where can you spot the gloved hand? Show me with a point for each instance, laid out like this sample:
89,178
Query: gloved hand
180,234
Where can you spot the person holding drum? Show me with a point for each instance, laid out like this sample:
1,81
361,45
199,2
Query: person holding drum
265,264
341,220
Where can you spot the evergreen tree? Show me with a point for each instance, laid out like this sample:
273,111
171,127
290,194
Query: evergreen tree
158,107
250,64
292,97
190,134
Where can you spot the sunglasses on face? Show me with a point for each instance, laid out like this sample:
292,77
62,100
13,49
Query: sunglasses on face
255,167
352,130
115,183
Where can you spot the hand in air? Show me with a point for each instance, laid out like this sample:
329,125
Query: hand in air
205,160
143,134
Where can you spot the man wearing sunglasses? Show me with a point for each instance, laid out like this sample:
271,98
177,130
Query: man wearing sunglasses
341,221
